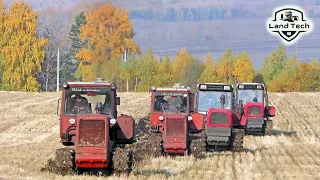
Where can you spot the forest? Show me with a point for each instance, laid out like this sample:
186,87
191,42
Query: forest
95,47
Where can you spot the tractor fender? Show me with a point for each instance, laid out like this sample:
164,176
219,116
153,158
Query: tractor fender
125,128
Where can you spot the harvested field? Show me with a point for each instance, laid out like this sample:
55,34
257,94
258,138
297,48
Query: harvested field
29,137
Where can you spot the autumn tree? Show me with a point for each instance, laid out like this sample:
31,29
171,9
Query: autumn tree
145,70
109,33
285,80
127,72
21,50
225,67
308,77
274,63
243,70
164,73
209,74
181,61
3,19
192,73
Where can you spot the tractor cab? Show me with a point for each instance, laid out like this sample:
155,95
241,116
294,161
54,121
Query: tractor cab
171,115
87,103
214,95
215,102
253,99
170,102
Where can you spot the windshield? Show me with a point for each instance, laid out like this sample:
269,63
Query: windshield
87,100
211,99
248,95
171,102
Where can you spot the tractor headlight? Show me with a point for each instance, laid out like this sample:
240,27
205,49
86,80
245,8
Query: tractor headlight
113,121
189,118
161,118
259,87
72,121
226,88
203,86
241,86
112,86
65,85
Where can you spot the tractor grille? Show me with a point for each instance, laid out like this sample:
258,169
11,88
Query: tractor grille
175,127
219,118
254,111
92,133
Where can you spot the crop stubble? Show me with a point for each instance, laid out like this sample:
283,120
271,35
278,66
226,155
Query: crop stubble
29,136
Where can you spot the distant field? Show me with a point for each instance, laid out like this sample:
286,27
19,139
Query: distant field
29,136
240,35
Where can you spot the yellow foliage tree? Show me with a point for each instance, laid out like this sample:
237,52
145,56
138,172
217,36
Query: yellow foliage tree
209,74
243,70
3,17
21,50
107,33
164,73
181,61
145,70
224,67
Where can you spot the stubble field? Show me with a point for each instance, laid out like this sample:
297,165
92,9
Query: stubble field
29,131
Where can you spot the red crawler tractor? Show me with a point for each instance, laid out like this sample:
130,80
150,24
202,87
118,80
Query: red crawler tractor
176,127
97,135
252,98
215,102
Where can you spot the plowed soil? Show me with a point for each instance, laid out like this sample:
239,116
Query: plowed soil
29,137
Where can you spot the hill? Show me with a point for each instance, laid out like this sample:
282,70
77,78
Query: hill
29,136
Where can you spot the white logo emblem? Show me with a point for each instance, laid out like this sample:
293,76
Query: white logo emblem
288,23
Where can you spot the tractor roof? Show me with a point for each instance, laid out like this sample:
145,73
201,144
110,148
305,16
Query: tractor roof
89,83
97,82
225,84
176,87
251,84
172,89
215,87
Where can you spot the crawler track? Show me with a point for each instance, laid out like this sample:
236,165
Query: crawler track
268,128
237,140
198,145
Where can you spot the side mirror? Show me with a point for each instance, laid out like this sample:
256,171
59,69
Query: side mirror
117,100
58,112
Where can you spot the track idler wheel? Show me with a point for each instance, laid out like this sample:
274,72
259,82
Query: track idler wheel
237,140
122,160
268,128
64,162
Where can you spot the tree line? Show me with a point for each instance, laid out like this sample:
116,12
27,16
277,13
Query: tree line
194,13
95,47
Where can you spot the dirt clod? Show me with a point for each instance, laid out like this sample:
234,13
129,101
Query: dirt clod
62,164
121,160
148,142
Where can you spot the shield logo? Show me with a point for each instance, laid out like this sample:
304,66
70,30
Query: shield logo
288,15
288,35
289,23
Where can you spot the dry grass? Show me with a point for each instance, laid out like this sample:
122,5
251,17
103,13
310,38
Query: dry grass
29,136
